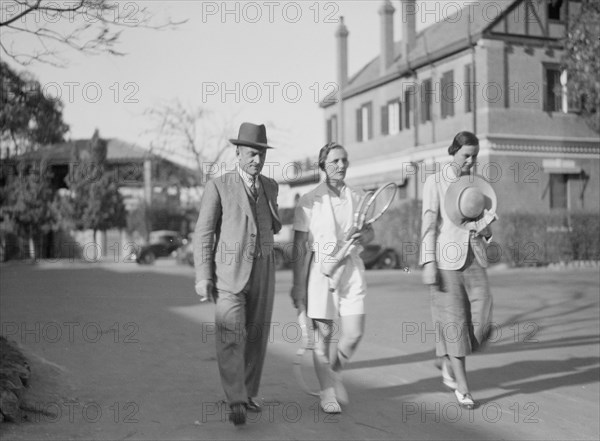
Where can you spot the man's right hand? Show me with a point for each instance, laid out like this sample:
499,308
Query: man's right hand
206,290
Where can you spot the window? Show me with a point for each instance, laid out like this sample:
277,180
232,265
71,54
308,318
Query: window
426,100
558,191
469,88
408,94
448,94
557,96
554,9
552,99
364,130
391,117
332,129
570,101
395,116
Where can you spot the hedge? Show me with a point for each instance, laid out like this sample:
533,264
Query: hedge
520,239
534,239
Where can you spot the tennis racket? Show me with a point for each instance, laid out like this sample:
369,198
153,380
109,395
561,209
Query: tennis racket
370,208
308,345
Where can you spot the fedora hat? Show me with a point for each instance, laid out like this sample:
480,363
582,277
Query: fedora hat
468,197
252,135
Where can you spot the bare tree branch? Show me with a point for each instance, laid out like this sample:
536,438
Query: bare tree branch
191,133
88,26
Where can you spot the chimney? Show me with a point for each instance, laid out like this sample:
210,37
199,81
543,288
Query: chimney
386,12
342,54
409,26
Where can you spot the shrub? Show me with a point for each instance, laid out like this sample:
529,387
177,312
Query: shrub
533,239
400,228
520,239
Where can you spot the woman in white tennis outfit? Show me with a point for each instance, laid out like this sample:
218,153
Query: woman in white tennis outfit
323,218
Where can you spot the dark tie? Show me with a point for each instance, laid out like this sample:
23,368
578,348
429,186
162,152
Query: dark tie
253,188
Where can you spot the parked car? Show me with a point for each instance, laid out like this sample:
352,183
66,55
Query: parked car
374,256
284,245
185,254
162,243
379,257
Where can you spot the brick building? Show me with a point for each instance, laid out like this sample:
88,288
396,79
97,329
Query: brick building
493,68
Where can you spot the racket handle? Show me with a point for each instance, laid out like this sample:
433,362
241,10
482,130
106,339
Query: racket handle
332,263
306,328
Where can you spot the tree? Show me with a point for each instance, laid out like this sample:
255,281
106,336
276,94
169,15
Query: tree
94,201
36,30
30,205
27,117
27,120
189,133
582,62
102,206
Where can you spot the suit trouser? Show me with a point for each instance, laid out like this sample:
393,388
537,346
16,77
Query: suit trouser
243,323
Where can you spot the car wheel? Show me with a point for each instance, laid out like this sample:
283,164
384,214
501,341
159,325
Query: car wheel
148,258
388,260
279,259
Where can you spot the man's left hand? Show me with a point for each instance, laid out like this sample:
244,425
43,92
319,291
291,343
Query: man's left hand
206,290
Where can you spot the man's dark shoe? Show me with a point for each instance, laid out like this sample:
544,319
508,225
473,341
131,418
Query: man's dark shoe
238,414
253,406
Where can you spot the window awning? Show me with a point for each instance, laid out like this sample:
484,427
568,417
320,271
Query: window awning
563,171
561,167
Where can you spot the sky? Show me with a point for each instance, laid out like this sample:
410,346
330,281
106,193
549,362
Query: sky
265,62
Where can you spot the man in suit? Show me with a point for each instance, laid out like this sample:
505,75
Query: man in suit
234,262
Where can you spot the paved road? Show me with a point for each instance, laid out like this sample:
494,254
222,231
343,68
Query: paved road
121,351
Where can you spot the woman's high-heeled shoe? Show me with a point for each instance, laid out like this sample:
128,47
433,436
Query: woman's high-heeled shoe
465,400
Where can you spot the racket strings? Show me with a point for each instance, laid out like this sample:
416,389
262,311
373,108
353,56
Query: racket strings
380,203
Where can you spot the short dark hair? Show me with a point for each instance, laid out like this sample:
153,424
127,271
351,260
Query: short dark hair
462,138
325,151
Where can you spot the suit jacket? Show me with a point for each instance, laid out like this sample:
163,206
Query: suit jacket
441,240
226,232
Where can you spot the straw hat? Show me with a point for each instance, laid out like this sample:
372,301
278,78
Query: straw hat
467,198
